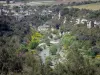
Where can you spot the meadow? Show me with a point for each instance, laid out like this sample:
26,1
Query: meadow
94,6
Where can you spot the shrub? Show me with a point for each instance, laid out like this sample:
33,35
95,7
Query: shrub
53,49
33,45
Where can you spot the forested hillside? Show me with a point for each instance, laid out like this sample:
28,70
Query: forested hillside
49,40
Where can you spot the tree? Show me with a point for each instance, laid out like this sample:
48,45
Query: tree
33,64
53,49
75,64
7,1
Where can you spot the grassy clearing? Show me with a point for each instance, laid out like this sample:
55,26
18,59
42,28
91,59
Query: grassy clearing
94,6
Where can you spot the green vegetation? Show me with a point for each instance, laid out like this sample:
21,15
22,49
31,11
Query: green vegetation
35,39
74,49
53,49
67,40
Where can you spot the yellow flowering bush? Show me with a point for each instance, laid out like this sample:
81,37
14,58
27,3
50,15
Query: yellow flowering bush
35,39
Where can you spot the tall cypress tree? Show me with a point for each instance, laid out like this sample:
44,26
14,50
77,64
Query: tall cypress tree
7,1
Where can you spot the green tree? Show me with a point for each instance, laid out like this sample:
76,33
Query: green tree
53,49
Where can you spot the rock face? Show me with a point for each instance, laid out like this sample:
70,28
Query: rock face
45,53
81,21
90,24
43,28
59,15
64,20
